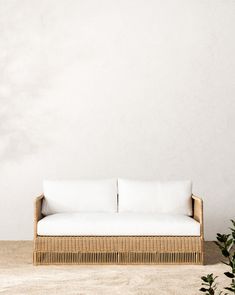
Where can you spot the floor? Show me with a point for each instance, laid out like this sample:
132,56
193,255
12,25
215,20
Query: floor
19,276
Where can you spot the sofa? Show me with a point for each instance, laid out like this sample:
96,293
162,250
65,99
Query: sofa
118,221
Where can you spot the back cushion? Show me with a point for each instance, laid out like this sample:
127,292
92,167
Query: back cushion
154,196
80,196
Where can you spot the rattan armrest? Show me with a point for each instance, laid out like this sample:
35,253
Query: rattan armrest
198,210
37,212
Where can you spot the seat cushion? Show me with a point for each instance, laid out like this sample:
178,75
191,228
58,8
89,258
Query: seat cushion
117,224
80,196
173,197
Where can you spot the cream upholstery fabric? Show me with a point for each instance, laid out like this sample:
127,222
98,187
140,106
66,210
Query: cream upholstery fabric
172,197
115,224
80,196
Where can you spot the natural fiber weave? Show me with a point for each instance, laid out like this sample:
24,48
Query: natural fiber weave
119,249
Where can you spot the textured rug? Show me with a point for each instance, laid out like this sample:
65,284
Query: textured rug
19,276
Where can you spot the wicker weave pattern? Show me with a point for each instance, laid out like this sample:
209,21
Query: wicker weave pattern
118,244
116,258
120,249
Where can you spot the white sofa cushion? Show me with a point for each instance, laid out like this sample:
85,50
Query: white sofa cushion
154,196
80,196
117,224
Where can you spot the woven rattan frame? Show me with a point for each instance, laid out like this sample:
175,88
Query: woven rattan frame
119,249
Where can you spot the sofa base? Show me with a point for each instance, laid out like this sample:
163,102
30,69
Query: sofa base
118,250
116,258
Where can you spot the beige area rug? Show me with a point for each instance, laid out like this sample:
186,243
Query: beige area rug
19,276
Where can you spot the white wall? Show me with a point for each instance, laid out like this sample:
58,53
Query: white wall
141,89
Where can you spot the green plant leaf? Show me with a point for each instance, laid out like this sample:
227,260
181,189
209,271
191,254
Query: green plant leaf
233,234
225,253
230,289
229,274
229,242
205,279
222,238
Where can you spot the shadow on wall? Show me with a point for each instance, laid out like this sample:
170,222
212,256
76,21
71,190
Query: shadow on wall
24,112
19,113
18,129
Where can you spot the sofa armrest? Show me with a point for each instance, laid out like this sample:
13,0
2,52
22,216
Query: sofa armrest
37,212
198,211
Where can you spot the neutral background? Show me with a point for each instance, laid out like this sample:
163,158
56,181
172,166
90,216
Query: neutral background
138,89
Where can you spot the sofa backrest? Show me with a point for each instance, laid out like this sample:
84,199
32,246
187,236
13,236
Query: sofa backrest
80,196
172,197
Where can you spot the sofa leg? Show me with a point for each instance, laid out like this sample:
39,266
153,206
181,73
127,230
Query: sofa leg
35,258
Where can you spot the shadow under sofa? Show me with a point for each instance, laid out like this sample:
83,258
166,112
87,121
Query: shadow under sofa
118,222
